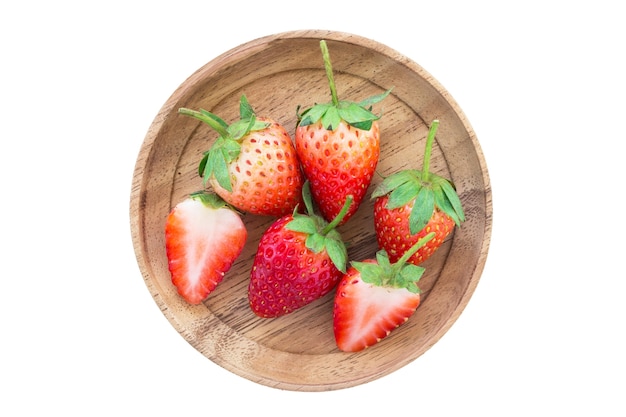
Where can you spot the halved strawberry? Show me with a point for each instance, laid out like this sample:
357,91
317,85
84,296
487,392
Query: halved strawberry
203,237
412,203
375,297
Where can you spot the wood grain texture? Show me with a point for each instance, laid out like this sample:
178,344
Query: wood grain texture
277,73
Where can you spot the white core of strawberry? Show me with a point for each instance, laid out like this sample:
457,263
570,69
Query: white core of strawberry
376,302
205,229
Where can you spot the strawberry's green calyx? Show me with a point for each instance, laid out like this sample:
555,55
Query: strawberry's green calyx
227,147
211,200
321,235
407,255
427,190
358,115
428,150
398,275
328,66
337,220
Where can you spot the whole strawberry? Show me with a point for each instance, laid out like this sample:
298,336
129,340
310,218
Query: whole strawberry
203,237
410,204
253,164
374,298
338,145
300,258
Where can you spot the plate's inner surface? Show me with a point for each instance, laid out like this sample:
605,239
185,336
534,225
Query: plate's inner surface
277,77
230,299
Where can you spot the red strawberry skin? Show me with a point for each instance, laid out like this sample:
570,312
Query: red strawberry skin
393,234
285,274
202,243
338,163
364,314
266,178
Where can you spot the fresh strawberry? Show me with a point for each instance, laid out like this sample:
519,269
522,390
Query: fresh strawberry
300,258
203,237
338,145
253,164
375,297
411,203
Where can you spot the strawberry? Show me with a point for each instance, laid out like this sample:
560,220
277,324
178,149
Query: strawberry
253,164
300,258
411,203
375,297
203,237
338,145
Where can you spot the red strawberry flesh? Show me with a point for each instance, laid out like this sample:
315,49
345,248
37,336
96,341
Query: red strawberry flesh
338,163
201,244
286,275
266,177
394,235
364,314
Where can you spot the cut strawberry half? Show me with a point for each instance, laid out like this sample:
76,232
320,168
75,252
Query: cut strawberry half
374,298
203,237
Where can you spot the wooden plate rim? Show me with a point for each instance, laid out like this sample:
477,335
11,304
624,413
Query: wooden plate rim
224,337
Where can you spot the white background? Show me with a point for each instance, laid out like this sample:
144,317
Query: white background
542,83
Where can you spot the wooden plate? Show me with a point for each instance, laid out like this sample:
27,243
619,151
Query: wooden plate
277,73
